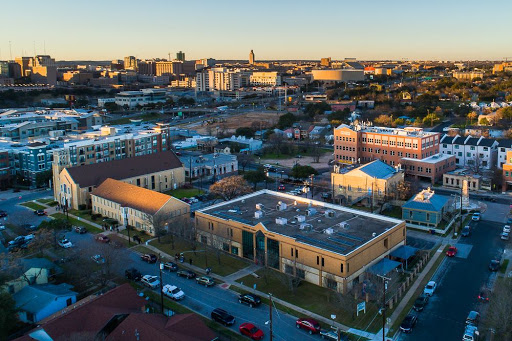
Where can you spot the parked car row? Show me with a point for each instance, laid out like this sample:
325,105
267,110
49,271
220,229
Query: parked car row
410,320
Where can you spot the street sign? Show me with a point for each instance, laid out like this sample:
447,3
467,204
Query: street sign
361,307
180,113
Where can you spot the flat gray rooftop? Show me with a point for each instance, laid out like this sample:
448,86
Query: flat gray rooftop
331,227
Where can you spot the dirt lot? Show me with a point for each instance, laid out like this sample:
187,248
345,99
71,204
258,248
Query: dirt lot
230,123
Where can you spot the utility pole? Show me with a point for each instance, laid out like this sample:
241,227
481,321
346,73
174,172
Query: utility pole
270,315
161,285
383,309
461,219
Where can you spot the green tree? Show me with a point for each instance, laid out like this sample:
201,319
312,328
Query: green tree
431,119
111,106
286,120
302,172
383,120
8,315
43,178
255,176
245,131
484,122
315,109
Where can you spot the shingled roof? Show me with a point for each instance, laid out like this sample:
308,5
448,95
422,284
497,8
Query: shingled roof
132,196
94,174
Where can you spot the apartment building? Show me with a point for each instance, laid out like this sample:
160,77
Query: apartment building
468,76
504,146
30,161
132,99
362,144
141,208
156,172
108,146
268,78
168,68
327,245
474,152
219,79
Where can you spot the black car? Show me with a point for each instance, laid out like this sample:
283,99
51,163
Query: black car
29,227
186,273
80,229
509,221
249,299
466,230
408,323
494,265
420,303
39,212
171,266
222,316
133,274
3,214
149,257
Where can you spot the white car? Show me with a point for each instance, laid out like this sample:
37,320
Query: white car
173,292
504,236
506,228
150,281
430,288
65,243
476,216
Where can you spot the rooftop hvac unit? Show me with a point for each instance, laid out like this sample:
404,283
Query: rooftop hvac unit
259,206
305,227
329,231
374,234
281,206
258,214
301,218
281,221
311,211
295,202
329,213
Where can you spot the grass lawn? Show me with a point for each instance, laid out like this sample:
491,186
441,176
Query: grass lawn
48,201
142,249
319,300
395,212
86,214
360,208
504,266
396,325
221,331
184,192
33,205
143,237
220,263
76,222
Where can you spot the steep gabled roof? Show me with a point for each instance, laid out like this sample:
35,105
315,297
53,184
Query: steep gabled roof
94,174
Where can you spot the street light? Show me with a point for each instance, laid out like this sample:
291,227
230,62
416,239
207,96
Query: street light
161,286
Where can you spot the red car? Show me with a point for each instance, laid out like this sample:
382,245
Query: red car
452,251
483,297
250,330
149,258
312,326
102,239
281,188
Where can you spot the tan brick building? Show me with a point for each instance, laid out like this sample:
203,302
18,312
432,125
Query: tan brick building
325,244
374,181
141,208
157,172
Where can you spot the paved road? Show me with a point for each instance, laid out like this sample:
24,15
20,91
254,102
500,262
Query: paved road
204,300
17,214
459,280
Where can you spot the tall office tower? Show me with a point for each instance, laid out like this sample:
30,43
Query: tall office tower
251,57
180,56
130,63
24,63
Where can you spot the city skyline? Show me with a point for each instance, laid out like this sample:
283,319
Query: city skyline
288,30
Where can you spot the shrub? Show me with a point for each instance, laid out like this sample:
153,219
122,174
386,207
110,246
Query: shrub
82,207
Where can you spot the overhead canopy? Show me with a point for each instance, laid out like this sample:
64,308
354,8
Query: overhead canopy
383,267
404,252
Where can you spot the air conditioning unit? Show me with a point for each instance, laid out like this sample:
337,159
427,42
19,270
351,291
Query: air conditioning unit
260,206
301,218
281,206
329,213
311,211
329,231
281,221
258,214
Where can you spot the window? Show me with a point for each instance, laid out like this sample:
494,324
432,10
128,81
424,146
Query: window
428,216
301,273
331,283
225,247
234,250
386,243
341,267
323,261
288,269
296,253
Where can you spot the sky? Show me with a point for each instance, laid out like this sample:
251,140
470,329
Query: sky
274,29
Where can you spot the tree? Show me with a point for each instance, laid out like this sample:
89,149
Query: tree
43,178
314,109
244,160
244,131
276,142
383,120
286,120
230,187
302,172
403,190
500,309
484,122
8,315
431,119
472,116
255,176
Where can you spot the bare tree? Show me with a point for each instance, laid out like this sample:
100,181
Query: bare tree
500,310
244,160
230,187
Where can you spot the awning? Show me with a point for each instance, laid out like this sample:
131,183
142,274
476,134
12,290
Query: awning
404,252
383,267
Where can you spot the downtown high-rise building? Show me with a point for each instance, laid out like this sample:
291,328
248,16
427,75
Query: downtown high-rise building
251,57
180,56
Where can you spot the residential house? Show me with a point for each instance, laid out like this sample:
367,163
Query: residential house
222,148
118,315
36,302
476,153
371,183
141,208
316,132
158,172
425,209
33,271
